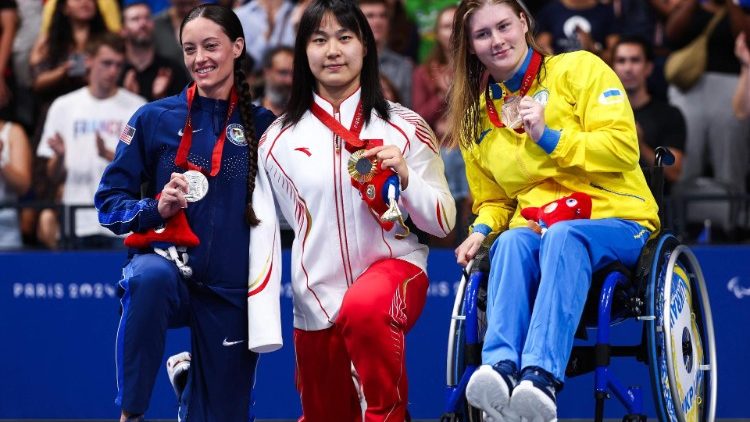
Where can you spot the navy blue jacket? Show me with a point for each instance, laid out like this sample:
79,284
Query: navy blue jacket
144,161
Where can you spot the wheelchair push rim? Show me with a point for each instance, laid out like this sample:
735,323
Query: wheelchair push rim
457,365
684,374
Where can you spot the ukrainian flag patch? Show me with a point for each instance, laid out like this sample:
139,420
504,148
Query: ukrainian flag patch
611,96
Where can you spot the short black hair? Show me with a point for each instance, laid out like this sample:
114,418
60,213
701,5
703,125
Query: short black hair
648,49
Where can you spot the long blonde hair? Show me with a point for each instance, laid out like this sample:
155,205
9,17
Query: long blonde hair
466,89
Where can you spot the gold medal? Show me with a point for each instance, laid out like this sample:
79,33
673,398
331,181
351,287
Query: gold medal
362,169
510,114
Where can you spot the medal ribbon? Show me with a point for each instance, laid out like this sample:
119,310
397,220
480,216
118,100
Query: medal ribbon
350,136
528,79
187,136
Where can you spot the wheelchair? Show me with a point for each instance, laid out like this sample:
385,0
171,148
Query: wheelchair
666,292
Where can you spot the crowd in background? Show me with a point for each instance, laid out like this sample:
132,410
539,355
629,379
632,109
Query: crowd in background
73,71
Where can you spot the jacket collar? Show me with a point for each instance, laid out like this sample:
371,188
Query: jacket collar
346,110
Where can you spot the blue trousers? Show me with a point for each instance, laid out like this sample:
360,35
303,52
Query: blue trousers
156,298
538,287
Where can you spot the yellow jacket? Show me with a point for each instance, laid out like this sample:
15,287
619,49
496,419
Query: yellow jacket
597,152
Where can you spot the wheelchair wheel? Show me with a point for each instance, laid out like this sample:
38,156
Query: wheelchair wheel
681,345
467,328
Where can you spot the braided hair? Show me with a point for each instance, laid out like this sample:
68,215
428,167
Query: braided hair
230,24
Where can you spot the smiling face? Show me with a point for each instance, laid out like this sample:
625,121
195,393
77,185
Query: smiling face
209,55
497,35
335,55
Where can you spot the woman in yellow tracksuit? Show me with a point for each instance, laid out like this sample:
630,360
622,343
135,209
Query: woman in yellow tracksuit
534,129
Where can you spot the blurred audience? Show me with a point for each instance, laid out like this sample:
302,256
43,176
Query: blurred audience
297,11
389,90
147,73
397,68
403,37
80,135
570,25
267,24
15,180
110,10
42,49
645,20
741,101
277,79
167,28
429,93
8,26
420,18
717,142
657,122
57,68
29,21
57,57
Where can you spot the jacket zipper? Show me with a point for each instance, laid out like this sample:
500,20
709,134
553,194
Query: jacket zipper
339,198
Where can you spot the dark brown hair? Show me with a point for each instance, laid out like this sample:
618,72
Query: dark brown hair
230,24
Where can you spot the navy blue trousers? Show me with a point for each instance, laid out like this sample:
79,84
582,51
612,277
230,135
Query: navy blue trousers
222,371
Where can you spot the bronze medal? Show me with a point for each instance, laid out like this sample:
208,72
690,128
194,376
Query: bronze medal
510,113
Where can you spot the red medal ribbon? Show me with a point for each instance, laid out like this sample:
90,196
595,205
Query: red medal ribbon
528,79
350,136
187,136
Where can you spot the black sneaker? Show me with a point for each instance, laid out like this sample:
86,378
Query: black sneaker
534,398
489,389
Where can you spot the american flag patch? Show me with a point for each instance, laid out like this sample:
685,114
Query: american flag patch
127,134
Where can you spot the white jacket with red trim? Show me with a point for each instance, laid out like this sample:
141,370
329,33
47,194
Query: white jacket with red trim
336,236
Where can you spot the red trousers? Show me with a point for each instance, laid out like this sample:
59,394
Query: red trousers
376,313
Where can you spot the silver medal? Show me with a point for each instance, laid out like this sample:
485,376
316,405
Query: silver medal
197,185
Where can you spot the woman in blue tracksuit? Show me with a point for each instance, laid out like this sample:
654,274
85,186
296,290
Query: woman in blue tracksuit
211,127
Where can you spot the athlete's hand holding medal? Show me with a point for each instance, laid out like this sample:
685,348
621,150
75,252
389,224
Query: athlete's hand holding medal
378,171
531,114
521,112
182,188
390,157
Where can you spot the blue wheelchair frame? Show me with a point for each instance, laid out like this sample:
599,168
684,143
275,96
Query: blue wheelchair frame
652,282
469,288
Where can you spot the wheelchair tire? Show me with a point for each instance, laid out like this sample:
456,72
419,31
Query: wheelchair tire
681,345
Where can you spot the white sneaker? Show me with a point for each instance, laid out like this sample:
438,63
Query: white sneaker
489,391
532,403
177,370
